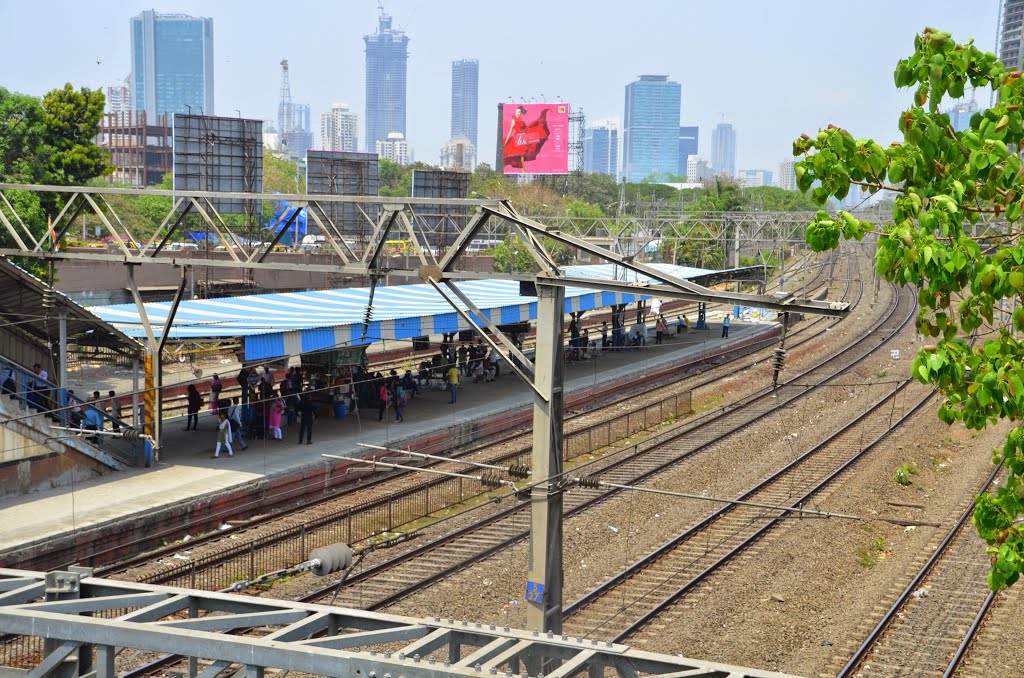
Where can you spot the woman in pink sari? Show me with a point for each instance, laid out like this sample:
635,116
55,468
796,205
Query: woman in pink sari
274,420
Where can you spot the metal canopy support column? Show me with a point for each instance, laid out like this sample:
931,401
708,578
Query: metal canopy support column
544,574
152,412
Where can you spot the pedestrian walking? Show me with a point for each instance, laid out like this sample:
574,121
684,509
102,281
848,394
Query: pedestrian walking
114,409
307,415
223,435
235,417
195,403
726,320
396,401
453,382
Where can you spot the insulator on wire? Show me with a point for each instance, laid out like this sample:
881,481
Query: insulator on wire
131,434
330,558
491,479
589,482
49,298
518,470
779,360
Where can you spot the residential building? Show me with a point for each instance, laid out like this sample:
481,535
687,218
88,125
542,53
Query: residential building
752,178
787,177
119,97
339,129
601,148
395,148
172,64
458,153
688,137
651,127
723,149
1011,34
698,169
465,99
387,52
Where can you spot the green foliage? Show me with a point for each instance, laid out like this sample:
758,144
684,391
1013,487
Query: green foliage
71,120
869,554
697,250
904,473
966,272
511,256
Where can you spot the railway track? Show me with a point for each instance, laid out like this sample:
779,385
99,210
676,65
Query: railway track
410,572
393,486
929,628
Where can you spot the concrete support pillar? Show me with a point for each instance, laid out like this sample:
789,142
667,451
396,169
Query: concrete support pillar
544,574
62,362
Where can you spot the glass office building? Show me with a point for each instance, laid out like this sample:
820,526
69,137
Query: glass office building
465,98
387,54
601,150
651,127
172,64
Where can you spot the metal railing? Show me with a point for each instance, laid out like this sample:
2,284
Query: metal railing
359,522
65,409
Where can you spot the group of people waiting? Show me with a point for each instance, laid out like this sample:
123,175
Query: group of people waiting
262,411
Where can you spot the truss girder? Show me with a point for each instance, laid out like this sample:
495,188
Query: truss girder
71,610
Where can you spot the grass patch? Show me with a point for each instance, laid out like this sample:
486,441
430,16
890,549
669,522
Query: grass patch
904,473
869,554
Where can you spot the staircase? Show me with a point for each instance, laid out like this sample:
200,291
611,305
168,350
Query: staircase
36,449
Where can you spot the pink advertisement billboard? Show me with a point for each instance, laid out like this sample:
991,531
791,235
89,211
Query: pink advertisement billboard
536,138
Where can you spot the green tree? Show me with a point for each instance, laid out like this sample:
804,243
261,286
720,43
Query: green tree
71,120
969,274
511,256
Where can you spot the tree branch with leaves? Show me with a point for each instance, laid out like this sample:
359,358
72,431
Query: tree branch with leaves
954,233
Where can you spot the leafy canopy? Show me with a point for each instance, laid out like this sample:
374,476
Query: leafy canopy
955,233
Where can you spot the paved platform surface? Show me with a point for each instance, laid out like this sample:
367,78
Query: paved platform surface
186,470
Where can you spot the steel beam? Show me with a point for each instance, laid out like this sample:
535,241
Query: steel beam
341,652
544,570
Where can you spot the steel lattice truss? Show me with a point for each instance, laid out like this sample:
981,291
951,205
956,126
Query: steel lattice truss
86,621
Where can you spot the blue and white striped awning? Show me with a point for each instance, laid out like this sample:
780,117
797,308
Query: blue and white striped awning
275,325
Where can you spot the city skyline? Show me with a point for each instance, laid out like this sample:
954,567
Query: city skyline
780,77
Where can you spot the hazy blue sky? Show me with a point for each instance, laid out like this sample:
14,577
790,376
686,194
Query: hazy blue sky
773,69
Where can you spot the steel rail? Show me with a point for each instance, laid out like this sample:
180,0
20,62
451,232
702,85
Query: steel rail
861,653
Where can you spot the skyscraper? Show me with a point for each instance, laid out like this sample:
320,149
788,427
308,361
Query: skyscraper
339,129
172,64
688,137
723,149
465,99
387,52
651,129
1011,33
119,97
601,148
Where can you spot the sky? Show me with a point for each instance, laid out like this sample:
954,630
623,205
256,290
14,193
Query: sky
772,69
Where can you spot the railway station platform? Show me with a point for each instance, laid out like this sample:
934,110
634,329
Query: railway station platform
188,482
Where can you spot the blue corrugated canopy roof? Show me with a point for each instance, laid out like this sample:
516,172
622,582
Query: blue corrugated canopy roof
282,324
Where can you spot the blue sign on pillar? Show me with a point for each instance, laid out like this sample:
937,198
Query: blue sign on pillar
534,592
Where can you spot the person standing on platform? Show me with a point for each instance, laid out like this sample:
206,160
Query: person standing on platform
453,383
659,330
494,358
396,400
215,388
297,381
307,415
235,417
604,335
223,435
195,403
463,359
243,383
114,409
680,325
726,320
382,399
274,418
